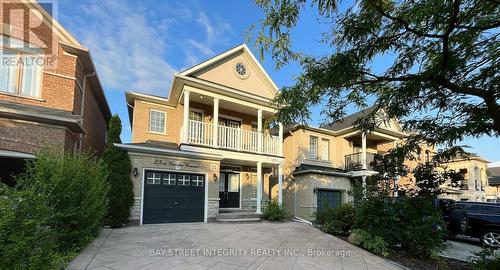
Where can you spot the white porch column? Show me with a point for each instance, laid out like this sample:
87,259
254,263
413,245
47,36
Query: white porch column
259,130
281,139
280,184
363,150
186,116
215,138
259,188
364,185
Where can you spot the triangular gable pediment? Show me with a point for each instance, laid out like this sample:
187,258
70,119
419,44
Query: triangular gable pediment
384,122
222,70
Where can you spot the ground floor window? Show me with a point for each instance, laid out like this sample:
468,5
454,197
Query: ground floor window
328,199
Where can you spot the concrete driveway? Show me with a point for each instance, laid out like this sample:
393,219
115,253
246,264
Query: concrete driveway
264,245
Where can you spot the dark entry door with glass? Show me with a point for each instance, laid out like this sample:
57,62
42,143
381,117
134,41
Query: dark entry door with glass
329,199
229,190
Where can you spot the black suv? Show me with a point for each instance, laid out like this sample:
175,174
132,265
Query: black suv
483,221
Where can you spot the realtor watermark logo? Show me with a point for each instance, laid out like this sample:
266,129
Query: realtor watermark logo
28,35
255,252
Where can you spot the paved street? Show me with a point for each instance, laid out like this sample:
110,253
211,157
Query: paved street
461,249
255,246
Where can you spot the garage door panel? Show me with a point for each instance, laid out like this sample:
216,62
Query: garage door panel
180,197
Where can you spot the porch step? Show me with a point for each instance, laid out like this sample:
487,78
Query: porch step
229,210
237,220
237,215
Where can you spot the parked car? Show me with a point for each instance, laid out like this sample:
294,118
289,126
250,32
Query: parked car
483,221
454,216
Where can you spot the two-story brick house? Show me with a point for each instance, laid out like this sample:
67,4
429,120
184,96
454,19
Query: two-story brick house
204,149
60,104
322,164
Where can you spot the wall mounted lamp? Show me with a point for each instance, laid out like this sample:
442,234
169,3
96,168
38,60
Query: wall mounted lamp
135,172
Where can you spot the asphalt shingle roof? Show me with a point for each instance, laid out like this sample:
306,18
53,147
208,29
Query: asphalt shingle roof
349,120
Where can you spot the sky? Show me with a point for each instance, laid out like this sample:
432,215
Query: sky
139,45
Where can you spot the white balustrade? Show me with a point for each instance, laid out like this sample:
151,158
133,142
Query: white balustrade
232,138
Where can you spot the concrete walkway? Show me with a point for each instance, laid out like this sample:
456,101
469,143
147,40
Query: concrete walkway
264,245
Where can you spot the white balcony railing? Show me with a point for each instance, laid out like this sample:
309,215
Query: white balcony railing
232,138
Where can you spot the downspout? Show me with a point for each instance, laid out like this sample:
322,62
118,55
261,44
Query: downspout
294,184
82,106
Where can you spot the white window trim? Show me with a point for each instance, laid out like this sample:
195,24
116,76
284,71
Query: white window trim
198,111
164,122
231,118
310,148
19,77
183,180
327,158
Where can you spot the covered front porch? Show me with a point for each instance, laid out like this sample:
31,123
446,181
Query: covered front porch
248,185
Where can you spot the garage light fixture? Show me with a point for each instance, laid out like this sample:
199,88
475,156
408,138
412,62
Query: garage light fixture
215,177
135,172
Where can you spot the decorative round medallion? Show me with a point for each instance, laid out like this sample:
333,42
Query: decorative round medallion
241,70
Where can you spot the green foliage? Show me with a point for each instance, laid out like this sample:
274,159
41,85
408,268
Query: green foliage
56,209
336,221
441,72
371,242
27,236
413,223
121,196
274,212
486,259
75,188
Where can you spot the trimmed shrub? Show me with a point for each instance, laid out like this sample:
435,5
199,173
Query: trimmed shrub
27,237
118,165
274,212
373,243
412,223
336,221
74,188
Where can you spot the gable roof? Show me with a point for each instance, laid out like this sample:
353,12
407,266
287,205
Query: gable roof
243,48
349,120
65,36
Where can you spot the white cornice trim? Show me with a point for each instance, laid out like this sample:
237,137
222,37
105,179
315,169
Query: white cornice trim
181,153
228,154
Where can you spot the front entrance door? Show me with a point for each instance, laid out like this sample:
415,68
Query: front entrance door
229,190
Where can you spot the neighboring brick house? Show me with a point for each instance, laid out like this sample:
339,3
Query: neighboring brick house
61,104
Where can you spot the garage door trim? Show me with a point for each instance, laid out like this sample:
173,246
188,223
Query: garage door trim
177,171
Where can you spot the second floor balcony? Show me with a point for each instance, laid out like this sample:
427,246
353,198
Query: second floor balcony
354,162
226,123
202,133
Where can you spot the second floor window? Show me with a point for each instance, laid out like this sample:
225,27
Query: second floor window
157,121
196,116
313,147
19,74
325,149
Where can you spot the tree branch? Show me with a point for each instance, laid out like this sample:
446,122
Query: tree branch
405,24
